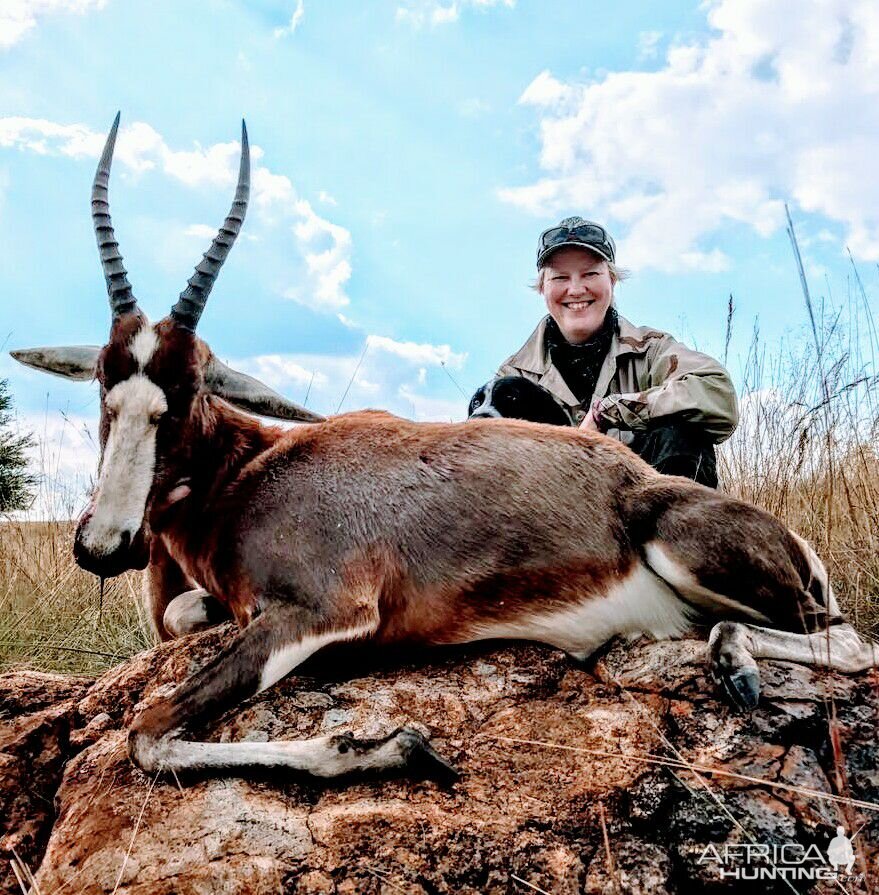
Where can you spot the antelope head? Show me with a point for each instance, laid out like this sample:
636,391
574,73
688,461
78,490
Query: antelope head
151,376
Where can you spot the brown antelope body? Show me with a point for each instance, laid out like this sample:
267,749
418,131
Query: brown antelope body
369,527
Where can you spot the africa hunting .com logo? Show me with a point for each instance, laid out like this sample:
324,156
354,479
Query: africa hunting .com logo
789,861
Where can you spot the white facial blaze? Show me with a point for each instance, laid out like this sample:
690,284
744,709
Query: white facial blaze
143,345
126,476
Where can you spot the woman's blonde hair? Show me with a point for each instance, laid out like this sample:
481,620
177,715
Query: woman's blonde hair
617,275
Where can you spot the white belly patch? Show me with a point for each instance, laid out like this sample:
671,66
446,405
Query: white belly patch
639,603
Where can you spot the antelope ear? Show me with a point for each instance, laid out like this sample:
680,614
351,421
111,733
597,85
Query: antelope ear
250,394
69,361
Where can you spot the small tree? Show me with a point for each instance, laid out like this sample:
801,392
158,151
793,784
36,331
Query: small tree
16,483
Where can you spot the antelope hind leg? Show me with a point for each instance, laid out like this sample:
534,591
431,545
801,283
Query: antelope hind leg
734,648
281,638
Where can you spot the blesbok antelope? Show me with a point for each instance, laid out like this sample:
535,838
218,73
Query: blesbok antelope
369,527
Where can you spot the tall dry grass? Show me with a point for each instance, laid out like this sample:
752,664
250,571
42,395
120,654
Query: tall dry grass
807,448
53,616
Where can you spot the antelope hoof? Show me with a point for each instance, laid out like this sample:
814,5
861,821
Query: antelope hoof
742,687
422,759
733,666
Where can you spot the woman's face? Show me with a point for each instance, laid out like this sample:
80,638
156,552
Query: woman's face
578,290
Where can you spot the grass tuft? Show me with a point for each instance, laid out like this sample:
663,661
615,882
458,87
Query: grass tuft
51,617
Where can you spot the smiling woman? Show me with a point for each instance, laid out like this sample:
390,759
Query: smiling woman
670,404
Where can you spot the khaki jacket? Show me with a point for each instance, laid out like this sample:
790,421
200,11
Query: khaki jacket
646,377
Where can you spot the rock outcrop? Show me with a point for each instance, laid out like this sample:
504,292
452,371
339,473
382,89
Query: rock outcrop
631,777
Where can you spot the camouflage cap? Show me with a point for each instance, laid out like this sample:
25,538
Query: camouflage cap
575,231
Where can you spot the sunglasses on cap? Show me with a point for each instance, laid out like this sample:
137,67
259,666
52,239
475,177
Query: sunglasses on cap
591,236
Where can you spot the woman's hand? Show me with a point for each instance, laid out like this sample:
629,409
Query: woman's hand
589,424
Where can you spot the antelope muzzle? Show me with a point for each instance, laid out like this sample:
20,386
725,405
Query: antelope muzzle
109,553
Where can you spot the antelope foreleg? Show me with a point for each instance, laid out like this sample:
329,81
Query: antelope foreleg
163,580
268,649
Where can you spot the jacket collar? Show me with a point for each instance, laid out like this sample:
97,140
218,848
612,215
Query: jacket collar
533,357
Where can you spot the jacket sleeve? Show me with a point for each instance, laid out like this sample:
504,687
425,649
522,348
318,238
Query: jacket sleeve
676,382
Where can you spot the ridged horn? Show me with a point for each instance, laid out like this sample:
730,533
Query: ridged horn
122,298
192,300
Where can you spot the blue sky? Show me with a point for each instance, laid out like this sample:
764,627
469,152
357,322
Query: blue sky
407,155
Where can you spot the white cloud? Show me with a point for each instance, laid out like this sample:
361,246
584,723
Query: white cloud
545,90
214,166
17,17
202,231
271,189
326,198
474,107
324,247
65,457
367,387
48,138
401,377
714,261
816,272
282,372
648,44
780,102
293,24
139,148
435,12
417,353
330,268
4,186
428,409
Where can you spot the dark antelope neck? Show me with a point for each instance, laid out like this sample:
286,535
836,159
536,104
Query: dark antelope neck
220,441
